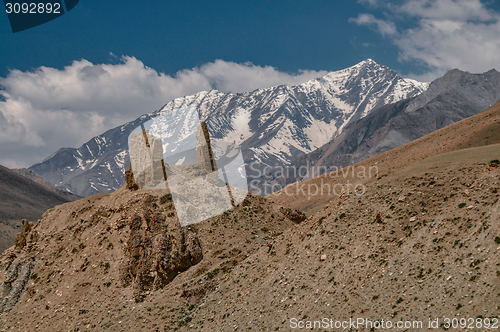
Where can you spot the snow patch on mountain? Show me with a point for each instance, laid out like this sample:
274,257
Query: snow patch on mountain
240,124
319,132
119,159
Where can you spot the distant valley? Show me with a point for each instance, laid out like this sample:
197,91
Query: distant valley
23,198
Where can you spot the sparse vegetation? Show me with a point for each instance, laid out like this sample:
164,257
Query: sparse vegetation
422,258
166,198
212,274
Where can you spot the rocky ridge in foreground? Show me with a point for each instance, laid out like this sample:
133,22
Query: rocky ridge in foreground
99,262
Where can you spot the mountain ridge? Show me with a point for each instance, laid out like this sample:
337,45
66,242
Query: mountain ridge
40,180
22,198
482,129
273,125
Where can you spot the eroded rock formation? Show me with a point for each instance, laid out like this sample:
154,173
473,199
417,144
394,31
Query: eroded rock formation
18,275
157,250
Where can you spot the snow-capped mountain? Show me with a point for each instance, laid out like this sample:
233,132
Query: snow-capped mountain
273,126
449,99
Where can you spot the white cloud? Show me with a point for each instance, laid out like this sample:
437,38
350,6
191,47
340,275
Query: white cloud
461,10
383,27
447,34
46,109
373,3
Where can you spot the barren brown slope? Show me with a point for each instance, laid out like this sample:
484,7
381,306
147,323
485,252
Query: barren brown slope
434,253
479,130
40,180
121,261
21,198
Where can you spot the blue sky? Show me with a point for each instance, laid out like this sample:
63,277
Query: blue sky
173,35
108,62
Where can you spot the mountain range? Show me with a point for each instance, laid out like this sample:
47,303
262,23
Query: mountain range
273,126
455,96
27,173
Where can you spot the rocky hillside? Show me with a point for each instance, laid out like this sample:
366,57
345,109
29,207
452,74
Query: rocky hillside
478,130
449,99
22,198
273,126
420,242
112,253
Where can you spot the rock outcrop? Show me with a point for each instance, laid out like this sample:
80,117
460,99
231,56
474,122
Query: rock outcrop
157,250
130,180
18,275
25,235
146,159
295,216
110,260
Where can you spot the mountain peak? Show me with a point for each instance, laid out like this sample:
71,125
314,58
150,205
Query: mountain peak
367,63
359,68
484,86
